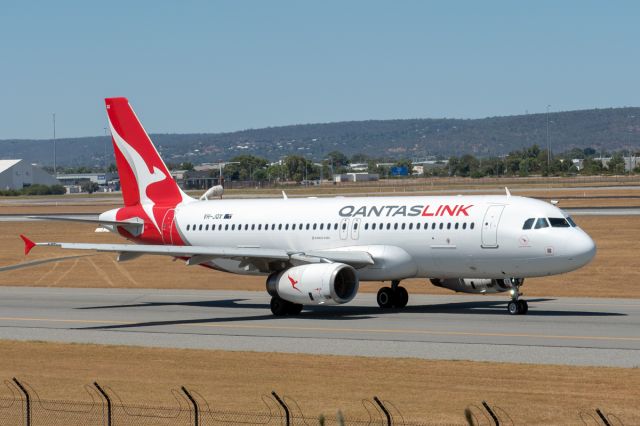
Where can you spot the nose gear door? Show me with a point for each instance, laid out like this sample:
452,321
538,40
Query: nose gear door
490,226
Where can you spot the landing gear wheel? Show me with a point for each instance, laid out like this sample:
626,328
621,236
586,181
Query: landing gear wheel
385,297
401,297
523,307
513,307
279,307
294,309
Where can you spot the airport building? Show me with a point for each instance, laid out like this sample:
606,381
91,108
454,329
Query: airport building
16,174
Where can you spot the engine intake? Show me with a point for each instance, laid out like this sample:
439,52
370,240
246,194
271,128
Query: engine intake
317,283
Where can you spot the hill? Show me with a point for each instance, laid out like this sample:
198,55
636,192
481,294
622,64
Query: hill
609,129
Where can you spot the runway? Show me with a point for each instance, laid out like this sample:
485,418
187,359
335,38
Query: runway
597,332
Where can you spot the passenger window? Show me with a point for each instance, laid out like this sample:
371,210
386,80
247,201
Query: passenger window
541,223
559,222
200,227
286,227
464,225
259,227
441,225
226,227
315,225
308,226
403,225
418,225
528,223
273,226
366,226
253,226
335,226
188,226
373,226
355,225
410,226
279,227
395,226
206,228
433,225
456,225
344,226
322,226
233,227
388,226
449,225
472,225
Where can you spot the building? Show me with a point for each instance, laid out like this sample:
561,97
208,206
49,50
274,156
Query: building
102,179
16,174
356,177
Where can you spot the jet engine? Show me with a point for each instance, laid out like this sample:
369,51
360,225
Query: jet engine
315,284
478,285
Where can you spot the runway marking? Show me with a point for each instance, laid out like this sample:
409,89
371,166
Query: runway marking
340,330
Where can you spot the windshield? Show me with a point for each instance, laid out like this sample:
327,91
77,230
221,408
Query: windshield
559,222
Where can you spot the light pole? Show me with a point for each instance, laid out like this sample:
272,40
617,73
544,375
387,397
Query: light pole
548,145
631,117
54,146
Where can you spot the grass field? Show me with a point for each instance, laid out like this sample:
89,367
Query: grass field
430,391
613,273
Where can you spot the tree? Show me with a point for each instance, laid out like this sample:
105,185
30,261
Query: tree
616,164
90,187
187,165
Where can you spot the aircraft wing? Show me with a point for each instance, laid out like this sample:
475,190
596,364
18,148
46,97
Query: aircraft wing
134,225
196,255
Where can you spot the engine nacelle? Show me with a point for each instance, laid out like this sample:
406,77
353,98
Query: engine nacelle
478,285
315,284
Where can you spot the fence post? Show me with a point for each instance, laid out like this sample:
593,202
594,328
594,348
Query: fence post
603,417
491,413
106,397
196,410
384,410
27,400
284,406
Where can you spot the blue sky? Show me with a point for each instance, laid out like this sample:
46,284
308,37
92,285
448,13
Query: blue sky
212,66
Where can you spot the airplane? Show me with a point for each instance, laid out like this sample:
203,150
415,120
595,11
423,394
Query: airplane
316,251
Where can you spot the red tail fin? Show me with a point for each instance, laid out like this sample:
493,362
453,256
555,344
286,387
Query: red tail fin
28,244
144,178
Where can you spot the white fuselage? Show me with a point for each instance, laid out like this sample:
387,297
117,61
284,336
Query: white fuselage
424,236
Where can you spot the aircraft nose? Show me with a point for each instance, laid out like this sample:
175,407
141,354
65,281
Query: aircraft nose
583,248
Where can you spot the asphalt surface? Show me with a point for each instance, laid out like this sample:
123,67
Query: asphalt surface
598,332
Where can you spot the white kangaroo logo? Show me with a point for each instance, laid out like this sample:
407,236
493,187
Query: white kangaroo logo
144,178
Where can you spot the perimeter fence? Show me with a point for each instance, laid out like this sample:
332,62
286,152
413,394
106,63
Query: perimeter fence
105,408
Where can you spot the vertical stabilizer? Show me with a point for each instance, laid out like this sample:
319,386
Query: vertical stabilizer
144,178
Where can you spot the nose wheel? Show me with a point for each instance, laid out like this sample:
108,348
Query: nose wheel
393,297
517,306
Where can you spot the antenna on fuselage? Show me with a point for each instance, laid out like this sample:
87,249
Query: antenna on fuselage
507,191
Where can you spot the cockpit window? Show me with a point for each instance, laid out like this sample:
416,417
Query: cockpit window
571,222
528,223
559,222
541,223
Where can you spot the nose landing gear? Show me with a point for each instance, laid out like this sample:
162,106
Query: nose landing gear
393,297
517,306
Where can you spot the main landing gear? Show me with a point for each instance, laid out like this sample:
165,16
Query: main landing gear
517,306
281,307
393,297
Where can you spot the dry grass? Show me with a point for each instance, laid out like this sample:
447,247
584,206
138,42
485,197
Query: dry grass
613,273
434,391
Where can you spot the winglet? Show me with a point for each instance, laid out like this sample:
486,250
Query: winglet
507,191
284,195
28,244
